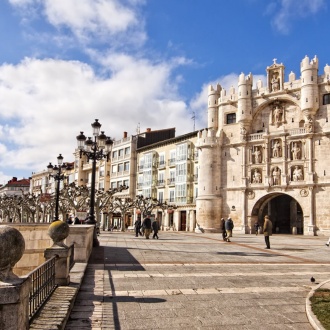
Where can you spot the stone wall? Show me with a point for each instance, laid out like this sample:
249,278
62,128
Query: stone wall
37,240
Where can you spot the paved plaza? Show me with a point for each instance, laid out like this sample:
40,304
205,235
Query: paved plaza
196,281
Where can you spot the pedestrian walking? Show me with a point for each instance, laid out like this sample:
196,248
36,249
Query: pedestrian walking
69,221
155,229
328,243
222,227
76,221
268,228
146,225
229,226
137,226
256,227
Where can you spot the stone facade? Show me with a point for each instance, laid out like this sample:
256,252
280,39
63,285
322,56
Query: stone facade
265,151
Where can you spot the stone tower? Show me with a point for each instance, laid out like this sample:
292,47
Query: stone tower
208,202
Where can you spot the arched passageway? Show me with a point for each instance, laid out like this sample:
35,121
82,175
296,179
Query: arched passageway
285,212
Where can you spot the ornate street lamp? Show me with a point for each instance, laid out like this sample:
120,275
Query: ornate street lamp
55,172
94,150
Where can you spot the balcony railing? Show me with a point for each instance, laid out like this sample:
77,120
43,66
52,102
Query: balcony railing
171,181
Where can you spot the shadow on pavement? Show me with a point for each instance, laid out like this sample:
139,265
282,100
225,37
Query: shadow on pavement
243,254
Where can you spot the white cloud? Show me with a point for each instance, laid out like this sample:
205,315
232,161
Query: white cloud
89,20
291,10
46,103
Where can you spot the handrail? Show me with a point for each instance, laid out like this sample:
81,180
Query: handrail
43,285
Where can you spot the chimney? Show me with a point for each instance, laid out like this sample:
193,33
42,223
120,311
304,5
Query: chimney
148,130
125,135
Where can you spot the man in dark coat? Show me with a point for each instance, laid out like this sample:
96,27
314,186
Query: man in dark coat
137,226
155,229
229,225
147,226
268,228
222,227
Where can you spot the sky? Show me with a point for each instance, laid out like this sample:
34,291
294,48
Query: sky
134,64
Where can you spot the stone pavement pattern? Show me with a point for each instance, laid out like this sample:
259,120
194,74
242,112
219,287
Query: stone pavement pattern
197,281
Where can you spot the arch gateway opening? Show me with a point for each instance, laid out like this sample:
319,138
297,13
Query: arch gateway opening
285,213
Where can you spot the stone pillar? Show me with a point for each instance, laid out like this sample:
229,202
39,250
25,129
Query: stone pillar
192,220
58,232
62,263
14,291
14,304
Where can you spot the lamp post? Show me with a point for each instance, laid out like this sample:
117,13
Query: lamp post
94,150
55,172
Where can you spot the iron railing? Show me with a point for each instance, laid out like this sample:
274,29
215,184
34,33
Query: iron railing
43,285
71,247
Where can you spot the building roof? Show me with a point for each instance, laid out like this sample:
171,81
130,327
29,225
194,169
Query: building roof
169,141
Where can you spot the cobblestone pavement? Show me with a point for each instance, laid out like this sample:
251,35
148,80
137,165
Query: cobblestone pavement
197,281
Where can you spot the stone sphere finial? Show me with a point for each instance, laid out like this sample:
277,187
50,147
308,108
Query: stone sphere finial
12,246
58,232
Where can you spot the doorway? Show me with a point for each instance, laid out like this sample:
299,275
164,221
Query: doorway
285,213
183,220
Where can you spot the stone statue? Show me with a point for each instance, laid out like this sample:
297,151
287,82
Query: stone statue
278,112
256,176
297,174
275,83
276,149
257,155
295,152
276,176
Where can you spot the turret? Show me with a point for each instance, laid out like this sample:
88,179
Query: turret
244,110
309,88
212,110
208,202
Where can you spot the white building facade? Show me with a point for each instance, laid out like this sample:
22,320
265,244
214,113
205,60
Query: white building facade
265,151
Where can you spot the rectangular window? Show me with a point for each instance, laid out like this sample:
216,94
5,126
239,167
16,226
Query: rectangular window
121,153
126,183
160,196
127,151
114,154
181,152
114,169
102,170
126,166
231,118
172,195
113,185
162,160
148,161
326,99
120,167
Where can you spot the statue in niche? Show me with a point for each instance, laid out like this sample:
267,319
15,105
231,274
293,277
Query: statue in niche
243,133
276,176
256,176
277,113
276,149
257,155
309,124
275,83
296,152
297,174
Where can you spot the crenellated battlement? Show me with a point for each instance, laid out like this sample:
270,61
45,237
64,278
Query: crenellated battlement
248,80
206,138
306,64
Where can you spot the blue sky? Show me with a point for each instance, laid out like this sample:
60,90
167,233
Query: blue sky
134,63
